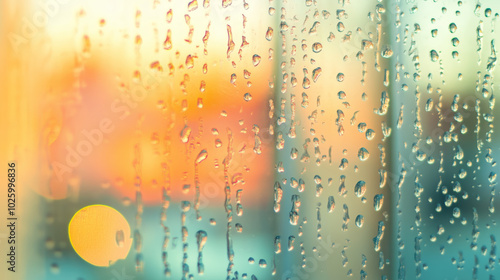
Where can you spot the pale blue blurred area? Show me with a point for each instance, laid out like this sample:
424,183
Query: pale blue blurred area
441,245
255,241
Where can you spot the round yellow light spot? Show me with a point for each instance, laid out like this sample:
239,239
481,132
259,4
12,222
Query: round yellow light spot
100,235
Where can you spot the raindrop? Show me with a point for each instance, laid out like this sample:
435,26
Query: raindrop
226,3
370,134
378,201
362,127
239,228
189,62
317,47
487,12
360,188
247,97
343,164
120,238
291,241
429,104
459,153
316,73
453,27
387,52
167,44
256,59
193,5
360,220
269,34
376,241
201,156
201,239
340,27
331,204
185,133
277,245
363,154
340,77
434,55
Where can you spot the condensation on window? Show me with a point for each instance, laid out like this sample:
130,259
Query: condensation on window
238,139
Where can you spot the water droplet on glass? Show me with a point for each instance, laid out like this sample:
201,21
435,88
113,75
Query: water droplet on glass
169,16
201,156
120,238
269,34
360,220
363,154
239,228
340,77
317,47
226,3
370,134
331,204
378,201
256,60
434,55
360,188
185,133
487,12
453,27
193,5
387,52
340,27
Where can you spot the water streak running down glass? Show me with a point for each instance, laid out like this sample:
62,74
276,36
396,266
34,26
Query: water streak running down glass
237,139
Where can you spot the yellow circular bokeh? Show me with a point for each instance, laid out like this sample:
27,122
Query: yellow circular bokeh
100,235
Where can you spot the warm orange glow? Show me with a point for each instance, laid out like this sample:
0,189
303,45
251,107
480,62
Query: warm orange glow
100,235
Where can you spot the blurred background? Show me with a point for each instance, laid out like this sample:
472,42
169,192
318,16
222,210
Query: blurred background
243,139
